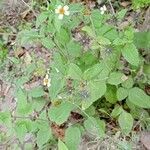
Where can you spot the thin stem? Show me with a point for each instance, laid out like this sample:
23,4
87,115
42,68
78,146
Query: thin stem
113,11
13,34
30,8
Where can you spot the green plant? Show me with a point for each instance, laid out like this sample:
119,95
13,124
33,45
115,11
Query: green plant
3,52
77,80
140,3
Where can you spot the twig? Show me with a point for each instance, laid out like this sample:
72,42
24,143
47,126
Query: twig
29,7
113,11
13,34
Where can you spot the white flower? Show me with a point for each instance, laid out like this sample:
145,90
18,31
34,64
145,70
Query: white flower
103,9
47,81
62,10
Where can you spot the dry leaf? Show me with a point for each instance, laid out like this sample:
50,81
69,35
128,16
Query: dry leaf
145,139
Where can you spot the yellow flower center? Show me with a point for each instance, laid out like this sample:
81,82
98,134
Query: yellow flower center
62,11
46,81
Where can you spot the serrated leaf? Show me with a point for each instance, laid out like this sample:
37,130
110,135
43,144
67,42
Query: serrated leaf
92,72
21,132
103,41
41,18
57,85
74,72
110,94
128,83
5,117
89,31
125,122
63,37
74,49
130,53
116,111
23,107
22,127
61,145
115,78
36,92
96,90
72,138
139,98
121,14
47,43
97,18
60,113
95,126
27,36
43,135
141,40
122,93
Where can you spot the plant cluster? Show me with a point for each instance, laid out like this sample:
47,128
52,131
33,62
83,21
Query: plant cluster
105,80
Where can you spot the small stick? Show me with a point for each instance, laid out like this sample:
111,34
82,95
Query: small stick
113,11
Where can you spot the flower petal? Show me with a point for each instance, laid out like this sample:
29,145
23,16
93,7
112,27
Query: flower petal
104,8
48,84
66,7
67,13
59,7
101,9
57,11
46,76
60,16
102,12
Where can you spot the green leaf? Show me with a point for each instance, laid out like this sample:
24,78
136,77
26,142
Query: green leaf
89,31
43,135
125,122
47,43
38,103
146,69
116,111
74,49
121,14
23,107
96,90
110,94
21,131
27,36
103,41
74,72
97,18
72,138
63,37
36,92
60,113
128,83
120,41
41,18
141,40
130,53
5,118
92,72
139,98
61,145
115,78
57,23
122,93
22,127
95,126
57,85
